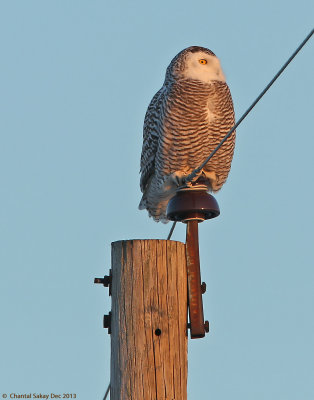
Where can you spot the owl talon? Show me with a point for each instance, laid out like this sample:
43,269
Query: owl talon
177,178
188,184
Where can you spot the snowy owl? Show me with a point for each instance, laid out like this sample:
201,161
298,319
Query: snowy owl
185,121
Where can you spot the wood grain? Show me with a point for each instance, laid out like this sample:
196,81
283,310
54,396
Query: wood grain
149,296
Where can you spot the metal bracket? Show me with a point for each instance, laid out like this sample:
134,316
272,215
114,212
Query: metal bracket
192,204
195,289
106,281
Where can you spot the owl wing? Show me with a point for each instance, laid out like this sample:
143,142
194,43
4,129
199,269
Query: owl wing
151,130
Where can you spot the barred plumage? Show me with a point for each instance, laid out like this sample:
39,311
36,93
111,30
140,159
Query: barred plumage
185,121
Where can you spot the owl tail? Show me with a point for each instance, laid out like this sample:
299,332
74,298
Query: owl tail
142,205
155,200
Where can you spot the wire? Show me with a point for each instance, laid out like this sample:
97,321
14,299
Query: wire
107,391
194,173
171,230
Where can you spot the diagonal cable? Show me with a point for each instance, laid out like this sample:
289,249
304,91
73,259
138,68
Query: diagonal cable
171,230
194,173
107,392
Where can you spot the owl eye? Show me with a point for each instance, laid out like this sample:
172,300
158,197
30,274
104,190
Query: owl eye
202,61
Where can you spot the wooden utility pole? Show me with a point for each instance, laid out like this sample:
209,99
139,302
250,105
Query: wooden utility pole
149,320
153,283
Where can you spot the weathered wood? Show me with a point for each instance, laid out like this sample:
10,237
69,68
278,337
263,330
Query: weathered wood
149,320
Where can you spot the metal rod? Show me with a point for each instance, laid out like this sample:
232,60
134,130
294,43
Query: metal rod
197,329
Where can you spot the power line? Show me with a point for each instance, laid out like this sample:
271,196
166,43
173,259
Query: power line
194,173
198,170
171,230
107,391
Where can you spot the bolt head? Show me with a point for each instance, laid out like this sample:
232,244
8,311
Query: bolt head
99,280
107,322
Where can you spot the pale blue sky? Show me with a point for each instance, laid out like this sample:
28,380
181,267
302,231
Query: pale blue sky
76,78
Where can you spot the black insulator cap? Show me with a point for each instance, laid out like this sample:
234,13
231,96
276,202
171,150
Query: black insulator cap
192,204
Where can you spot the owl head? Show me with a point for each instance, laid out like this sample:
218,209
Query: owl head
196,63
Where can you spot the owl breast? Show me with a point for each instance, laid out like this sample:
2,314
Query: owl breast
196,118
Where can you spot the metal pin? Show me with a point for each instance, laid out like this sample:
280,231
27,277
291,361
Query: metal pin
106,281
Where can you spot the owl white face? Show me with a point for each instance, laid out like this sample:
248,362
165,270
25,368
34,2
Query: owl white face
203,67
